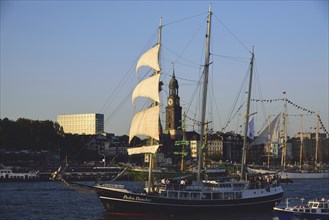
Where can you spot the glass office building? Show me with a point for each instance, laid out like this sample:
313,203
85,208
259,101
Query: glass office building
82,123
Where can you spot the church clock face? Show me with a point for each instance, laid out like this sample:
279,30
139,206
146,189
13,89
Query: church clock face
170,102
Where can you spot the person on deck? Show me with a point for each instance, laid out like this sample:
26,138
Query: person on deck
182,184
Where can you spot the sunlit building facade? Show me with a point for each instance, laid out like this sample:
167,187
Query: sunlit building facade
88,124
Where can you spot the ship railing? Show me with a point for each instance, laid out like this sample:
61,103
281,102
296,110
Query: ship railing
198,195
261,185
116,186
171,186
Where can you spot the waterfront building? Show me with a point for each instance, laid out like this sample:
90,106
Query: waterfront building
309,147
82,124
117,147
232,145
104,145
215,146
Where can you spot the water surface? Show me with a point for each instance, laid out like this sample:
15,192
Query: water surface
53,200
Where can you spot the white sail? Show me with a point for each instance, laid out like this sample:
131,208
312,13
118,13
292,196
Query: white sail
148,88
276,131
150,58
146,123
271,130
143,150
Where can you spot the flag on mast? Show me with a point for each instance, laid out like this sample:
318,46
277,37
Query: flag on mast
251,133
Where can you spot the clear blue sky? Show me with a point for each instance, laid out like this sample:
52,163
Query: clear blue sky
66,57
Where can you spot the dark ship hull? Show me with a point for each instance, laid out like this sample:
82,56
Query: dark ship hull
125,202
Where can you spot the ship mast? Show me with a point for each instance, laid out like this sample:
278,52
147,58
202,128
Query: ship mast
150,185
204,96
301,143
317,138
269,144
243,160
284,144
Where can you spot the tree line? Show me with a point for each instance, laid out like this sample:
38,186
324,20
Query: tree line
36,135
27,134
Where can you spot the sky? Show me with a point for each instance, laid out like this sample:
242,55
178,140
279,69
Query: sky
69,57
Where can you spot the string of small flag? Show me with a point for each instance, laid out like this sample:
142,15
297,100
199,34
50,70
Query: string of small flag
266,100
299,107
322,126
288,101
298,115
296,106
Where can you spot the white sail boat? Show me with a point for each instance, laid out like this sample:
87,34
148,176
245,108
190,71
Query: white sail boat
269,137
198,196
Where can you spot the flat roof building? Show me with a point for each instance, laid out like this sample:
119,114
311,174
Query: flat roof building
92,123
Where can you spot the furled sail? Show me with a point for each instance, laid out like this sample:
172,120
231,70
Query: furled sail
146,123
148,88
143,150
150,58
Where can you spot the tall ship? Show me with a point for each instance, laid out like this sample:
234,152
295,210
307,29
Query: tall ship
184,196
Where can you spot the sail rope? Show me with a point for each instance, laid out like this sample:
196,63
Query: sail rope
180,55
124,79
229,121
120,105
219,20
259,92
238,59
185,19
214,99
117,108
231,115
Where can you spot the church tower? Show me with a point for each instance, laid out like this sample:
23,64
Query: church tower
173,109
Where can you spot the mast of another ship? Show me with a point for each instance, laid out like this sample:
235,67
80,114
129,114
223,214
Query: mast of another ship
204,96
301,143
243,160
284,144
269,144
317,139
